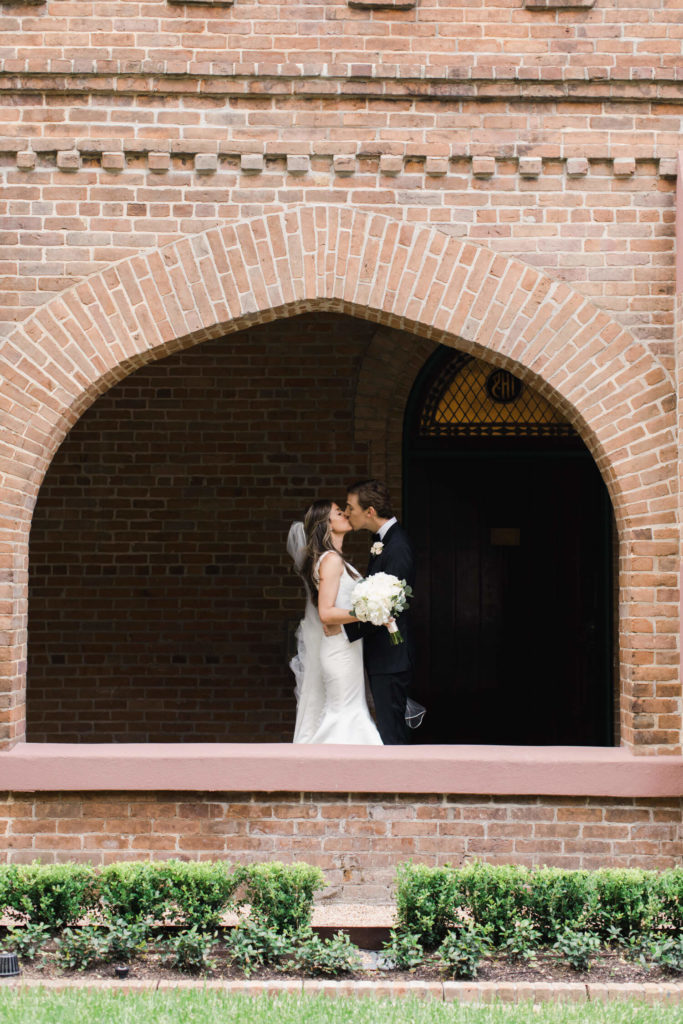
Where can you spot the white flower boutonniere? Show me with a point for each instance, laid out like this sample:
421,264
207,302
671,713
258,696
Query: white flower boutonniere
377,548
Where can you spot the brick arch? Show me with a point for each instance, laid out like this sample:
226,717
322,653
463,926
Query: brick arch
410,277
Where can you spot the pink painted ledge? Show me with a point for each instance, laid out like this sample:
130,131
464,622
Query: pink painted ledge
280,767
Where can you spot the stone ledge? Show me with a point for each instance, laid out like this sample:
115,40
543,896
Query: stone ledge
358,81
109,69
386,5
551,5
444,991
283,767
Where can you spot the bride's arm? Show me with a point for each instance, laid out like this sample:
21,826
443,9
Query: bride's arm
330,574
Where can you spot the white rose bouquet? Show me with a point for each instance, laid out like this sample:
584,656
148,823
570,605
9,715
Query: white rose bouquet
378,598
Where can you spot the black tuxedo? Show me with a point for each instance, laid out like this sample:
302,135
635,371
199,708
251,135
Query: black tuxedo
389,666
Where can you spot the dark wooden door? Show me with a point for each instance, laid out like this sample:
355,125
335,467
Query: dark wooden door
512,608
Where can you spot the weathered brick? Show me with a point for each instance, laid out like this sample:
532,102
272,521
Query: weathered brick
530,166
390,164
68,160
159,163
206,163
577,166
113,161
483,166
624,166
26,160
344,164
252,163
436,166
297,164
83,826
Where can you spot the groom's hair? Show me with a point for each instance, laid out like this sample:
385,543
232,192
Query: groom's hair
373,493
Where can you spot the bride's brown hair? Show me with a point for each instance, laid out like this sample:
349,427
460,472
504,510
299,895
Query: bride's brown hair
318,541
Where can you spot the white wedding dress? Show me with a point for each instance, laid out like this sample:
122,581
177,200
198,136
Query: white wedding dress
330,690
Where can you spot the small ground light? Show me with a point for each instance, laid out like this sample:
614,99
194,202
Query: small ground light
9,965
121,970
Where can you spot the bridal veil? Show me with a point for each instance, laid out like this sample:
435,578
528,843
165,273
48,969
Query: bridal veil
308,690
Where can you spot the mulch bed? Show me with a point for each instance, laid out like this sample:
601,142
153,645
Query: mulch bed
548,967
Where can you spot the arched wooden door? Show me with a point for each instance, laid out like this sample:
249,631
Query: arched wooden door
512,526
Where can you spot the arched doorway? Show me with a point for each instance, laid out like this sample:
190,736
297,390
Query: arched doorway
411,276
512,525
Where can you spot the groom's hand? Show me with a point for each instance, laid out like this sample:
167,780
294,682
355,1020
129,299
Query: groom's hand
331,630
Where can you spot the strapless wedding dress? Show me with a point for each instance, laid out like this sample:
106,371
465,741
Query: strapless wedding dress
332,706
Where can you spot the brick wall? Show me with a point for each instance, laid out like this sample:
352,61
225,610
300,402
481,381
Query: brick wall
486,39
609,234
543,134
613,388
161,595
546,136
357,839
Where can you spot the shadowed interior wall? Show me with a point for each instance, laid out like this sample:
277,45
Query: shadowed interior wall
161,599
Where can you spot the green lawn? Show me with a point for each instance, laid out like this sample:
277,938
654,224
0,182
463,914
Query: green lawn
196,1007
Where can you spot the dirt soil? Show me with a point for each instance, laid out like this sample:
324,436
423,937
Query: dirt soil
608,967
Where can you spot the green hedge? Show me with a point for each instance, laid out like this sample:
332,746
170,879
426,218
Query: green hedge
281,895
430,902
183,893
172,892
53,894
610,902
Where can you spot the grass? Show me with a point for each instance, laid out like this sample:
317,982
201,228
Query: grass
194,1006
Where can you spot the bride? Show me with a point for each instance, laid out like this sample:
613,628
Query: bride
330,688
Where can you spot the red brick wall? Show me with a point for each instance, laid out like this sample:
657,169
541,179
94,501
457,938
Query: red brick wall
161,596
356,839
488,40
543,136
608,235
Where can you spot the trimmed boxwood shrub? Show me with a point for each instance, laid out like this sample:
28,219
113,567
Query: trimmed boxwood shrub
132,892
184,893
668,910
610,902
624,901
281,895
495,896
56,895
518,909
427,902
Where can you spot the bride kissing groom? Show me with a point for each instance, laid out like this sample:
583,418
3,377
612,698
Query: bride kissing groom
333,645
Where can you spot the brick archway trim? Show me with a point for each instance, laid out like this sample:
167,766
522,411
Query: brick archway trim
411,277
406,276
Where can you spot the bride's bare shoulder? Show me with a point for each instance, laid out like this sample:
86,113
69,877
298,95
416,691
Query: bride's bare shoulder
329,562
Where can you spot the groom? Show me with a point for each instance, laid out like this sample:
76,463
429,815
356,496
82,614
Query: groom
389,666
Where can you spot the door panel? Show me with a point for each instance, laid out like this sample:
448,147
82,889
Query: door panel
512,598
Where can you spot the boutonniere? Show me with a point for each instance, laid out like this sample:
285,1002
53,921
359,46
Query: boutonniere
377,548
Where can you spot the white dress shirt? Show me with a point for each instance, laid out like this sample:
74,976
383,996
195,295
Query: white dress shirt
381,533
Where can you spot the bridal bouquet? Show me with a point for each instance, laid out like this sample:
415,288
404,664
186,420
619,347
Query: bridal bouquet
380,597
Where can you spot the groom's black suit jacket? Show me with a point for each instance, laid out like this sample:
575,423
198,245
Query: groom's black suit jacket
381,657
